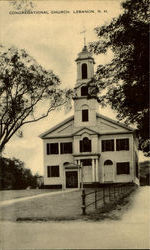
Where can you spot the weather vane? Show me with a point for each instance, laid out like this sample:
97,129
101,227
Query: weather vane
83,32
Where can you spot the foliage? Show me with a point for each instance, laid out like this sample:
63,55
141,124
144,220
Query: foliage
23,85
125,78
25,5
145,173
13,175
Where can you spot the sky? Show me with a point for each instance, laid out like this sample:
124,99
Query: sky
54,40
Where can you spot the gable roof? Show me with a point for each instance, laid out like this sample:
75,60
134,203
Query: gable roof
114,122
56,127
91,130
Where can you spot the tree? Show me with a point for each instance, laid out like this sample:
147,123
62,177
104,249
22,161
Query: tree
14,175
125,79
23,85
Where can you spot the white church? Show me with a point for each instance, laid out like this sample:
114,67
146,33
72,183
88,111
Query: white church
88,147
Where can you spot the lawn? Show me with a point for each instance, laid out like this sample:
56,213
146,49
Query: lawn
62,205
13,194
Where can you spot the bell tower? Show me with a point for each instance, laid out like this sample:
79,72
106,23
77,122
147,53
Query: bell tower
85,107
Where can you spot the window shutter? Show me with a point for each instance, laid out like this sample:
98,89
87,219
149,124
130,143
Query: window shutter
47,145
61,148
48,171
81,146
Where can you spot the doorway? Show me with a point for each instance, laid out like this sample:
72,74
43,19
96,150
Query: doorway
71,179
108,171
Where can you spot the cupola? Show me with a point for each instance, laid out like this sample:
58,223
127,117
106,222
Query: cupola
85,66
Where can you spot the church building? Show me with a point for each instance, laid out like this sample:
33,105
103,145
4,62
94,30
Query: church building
89,148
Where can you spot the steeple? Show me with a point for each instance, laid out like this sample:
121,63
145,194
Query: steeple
85,108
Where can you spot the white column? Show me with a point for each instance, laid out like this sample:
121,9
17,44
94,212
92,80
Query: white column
93,170
97,176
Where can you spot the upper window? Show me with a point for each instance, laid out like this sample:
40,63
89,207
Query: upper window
122,144
52,148
84,71
66,148
85,145
107,145
108,162
84,90
123,168
52,171
86,162
85,115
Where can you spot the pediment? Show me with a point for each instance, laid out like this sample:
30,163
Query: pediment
64,128
85,131
106,124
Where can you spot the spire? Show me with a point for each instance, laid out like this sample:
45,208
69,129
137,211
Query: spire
84,37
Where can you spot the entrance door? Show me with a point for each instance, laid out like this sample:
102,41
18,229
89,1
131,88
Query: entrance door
71,179
108,173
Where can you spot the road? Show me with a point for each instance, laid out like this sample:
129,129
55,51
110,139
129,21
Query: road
131,231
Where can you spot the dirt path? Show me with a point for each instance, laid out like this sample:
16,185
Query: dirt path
129,232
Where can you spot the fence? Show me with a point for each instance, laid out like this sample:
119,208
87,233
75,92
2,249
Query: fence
105,194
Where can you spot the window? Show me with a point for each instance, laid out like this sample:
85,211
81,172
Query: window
107,145
85,145
52,171
86,162
84,90
66,148
108,162
52,148
122,144
85,116
84,71
123,168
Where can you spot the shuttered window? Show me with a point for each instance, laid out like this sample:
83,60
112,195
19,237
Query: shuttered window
53,171
107,145
123,168
84,90
122,144
85,115
66,148
52,148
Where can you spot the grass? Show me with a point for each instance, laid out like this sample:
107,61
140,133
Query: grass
65,205
13,194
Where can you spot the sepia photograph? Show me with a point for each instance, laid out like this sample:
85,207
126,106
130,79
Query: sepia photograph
74,124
